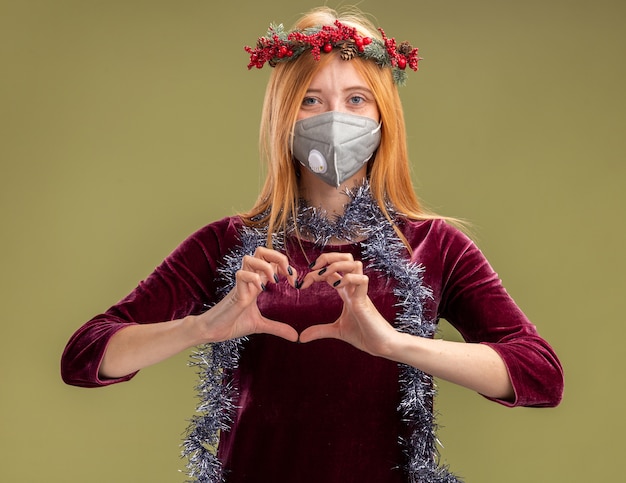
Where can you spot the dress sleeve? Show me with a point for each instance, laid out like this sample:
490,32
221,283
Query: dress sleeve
475,302
183,284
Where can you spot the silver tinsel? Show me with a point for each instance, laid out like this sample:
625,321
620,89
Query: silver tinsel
383,251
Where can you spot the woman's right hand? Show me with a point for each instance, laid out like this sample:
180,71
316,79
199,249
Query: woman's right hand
140,345
237,314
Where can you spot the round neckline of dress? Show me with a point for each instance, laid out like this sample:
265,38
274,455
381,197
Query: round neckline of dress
327,246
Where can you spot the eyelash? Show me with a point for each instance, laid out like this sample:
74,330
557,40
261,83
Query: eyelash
309,101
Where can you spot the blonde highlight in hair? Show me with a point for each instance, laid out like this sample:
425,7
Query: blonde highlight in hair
389,172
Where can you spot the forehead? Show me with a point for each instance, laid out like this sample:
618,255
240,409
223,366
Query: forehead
337,73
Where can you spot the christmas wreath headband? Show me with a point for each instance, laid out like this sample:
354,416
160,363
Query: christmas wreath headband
280,46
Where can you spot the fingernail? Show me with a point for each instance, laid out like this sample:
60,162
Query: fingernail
289,270
312,264
276,279
263,287
298,284
336,283
322,271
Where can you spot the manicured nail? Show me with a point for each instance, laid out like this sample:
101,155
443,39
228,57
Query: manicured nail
276,279
312,264
263,287
298,284
289,270
337,283
322,271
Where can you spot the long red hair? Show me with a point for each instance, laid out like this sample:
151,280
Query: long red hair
389,173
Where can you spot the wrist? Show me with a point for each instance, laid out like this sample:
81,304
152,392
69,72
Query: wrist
195,332
402,347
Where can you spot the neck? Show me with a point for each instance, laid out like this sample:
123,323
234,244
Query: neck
357,222
331,199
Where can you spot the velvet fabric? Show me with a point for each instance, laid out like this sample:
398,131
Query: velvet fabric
325,411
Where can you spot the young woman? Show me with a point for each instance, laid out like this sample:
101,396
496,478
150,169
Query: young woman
314,313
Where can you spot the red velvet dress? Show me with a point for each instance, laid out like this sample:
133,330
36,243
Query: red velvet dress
325,411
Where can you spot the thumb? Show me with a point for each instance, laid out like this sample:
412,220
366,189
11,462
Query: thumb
320,331
279,329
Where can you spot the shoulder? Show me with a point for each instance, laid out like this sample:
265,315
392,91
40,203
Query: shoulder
213,239
224,228
443,249
434,233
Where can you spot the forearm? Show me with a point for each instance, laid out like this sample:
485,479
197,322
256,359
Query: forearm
138,346
235,316
475,366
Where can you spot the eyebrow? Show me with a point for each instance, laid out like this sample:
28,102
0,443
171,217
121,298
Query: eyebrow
351,88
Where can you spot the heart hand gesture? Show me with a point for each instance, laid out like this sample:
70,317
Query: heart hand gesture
237,315
360,323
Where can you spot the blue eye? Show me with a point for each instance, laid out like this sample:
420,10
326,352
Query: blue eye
309,101
356,99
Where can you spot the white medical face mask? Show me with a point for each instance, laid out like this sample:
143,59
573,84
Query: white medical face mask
335,145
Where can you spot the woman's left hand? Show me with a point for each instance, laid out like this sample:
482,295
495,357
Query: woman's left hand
475,366
360,323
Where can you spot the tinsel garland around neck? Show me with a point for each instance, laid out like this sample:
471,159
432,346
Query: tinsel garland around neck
383,250
359,221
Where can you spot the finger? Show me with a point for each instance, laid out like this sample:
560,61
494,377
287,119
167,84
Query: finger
358,282
341,268
249,282
279,329
333,273
327,258
321,331
279,262
275,269
260,267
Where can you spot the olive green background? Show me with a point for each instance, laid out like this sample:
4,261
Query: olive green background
126,125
